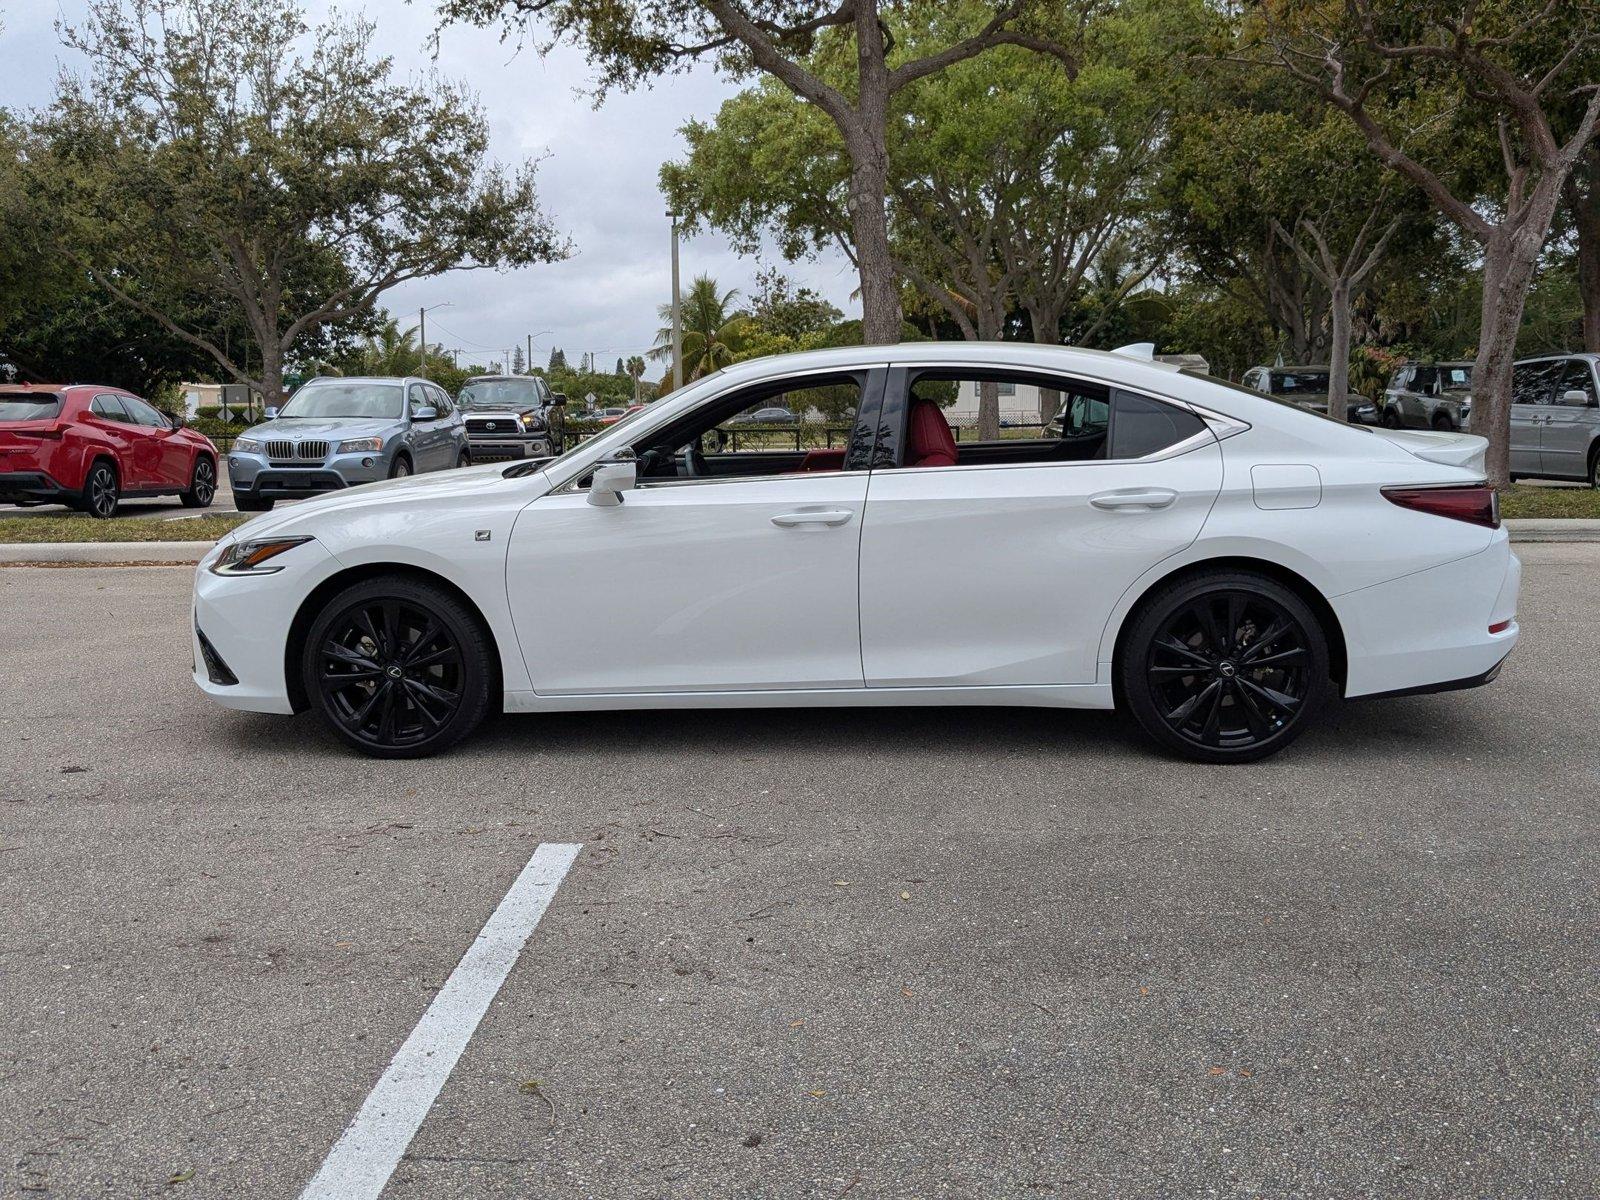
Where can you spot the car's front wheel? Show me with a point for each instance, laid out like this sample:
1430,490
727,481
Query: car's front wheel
1391,419
1224,667
400,468
202,484
398,668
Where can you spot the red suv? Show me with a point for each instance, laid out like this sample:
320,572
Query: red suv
91,446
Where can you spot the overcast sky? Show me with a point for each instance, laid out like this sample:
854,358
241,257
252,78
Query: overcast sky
597,179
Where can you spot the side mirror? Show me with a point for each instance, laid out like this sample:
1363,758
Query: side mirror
426,413
558,399
1579,397
610,480
272,414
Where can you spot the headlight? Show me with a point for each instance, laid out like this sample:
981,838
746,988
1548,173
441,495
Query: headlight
254,558
532,421
246,445
360,446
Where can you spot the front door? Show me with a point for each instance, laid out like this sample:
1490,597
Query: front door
163,459
427,437
998,570
705,585
1570,426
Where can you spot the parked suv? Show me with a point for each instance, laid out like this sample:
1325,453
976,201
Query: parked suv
1429,396
512,416
1307,387
336,433
1555,418
91,446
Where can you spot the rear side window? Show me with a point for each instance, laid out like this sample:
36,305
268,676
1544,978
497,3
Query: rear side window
29,406
1141,426
110,407
1532,383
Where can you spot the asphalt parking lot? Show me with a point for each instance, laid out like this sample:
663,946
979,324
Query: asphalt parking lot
822,954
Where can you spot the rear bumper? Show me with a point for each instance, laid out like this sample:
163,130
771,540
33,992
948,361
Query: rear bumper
1430,631
33,485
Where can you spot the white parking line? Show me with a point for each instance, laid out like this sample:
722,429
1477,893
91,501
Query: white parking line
361,1161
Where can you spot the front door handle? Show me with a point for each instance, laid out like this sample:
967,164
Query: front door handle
1145,499
826,516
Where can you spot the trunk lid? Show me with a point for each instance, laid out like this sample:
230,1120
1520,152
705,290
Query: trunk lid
1448,449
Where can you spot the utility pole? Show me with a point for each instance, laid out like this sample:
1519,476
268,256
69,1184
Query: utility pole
677,316
422,333
529,367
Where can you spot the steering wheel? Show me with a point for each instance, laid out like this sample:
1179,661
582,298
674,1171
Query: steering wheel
694,460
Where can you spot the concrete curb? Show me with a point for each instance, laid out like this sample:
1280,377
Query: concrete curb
1543,529
103,552
1525,530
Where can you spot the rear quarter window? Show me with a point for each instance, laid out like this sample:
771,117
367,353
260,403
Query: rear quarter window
29,406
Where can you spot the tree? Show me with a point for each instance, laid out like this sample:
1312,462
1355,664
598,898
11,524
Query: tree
519,364
558,360
218,165
1582,198
389,351
619,370
712,329
635,373
1504,70
779,308
629,41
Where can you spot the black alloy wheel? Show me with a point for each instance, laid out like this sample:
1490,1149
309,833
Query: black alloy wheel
202,485
100,491
1225,667
398,668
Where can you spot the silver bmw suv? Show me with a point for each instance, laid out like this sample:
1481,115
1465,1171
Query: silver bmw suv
336,433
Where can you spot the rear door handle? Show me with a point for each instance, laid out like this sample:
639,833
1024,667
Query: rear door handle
826,516
1148,499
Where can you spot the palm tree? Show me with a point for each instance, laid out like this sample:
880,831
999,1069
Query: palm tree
391,351
636,371
712,333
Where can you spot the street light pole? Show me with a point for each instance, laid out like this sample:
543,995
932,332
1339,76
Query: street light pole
422,333
677,316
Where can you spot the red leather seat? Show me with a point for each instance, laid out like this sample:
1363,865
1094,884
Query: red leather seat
822,460
929,442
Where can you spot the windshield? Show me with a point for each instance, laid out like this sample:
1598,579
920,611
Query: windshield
29,406
1299,383
336,399
499,394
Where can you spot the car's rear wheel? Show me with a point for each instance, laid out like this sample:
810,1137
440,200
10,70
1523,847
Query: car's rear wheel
1594,465
202,484
101,491
1224,667
398,668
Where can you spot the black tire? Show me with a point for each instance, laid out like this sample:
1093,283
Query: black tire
1223,710
1391,419
245,502
398,668
465,459
202,484
400,468
1443,423
1594,465
102,490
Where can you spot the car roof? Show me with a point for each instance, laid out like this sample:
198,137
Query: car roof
1533,358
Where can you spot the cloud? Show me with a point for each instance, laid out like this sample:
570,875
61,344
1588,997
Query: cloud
597,180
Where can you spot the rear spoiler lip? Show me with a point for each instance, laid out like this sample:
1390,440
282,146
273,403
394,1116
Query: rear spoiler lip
1467,450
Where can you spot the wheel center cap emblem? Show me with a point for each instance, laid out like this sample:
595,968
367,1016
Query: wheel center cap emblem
1226,669
394,672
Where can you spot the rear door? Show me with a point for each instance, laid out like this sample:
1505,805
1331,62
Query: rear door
1570,426
1414,399
1005,572
135,463
1531,386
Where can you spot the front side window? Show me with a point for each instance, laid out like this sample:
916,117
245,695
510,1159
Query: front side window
1578,378
735,437
143,413
335,398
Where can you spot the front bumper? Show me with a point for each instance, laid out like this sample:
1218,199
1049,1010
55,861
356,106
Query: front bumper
253,475
490,447
246,621
33,485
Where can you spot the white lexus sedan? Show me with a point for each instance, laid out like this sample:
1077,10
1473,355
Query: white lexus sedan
1214,562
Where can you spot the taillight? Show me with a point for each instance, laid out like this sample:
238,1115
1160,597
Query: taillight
1475,503
44,435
